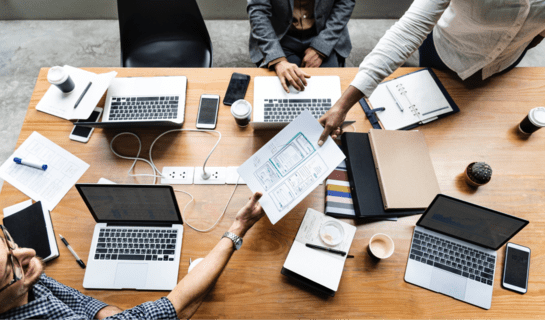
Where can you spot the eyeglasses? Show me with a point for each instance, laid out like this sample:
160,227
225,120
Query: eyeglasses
15,264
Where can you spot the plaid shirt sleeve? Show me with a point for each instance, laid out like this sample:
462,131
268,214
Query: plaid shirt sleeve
160,309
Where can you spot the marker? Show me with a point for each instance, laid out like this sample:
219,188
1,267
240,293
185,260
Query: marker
83,94
80,262
313,246
30,163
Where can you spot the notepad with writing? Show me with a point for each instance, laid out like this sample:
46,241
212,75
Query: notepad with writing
30,227
411,100
320,270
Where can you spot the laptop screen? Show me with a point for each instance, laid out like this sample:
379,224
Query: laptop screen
131,203
471,223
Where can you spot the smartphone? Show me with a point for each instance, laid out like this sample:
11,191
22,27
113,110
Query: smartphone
516,268
208,111
237,88
82,134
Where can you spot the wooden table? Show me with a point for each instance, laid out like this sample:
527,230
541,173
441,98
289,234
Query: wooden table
251,286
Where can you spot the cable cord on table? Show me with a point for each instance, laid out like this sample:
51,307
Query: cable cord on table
156,173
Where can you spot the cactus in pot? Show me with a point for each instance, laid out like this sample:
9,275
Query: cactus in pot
478,174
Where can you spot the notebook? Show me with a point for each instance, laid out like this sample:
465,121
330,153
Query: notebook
320,270
338,199
411,100
362,176
31,227
454,246
404,169
137,240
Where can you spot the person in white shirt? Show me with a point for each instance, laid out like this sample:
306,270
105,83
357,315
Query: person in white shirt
470,37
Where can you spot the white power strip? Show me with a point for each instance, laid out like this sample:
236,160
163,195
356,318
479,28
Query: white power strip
177,175
217,175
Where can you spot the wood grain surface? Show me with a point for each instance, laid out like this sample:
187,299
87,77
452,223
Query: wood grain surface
251,286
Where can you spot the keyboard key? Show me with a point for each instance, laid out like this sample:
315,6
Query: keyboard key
130,257
489,282
417,252
447,268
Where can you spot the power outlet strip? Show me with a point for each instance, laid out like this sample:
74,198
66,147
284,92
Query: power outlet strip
177,175
217,175
233,176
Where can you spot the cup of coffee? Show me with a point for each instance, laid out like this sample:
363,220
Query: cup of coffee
381,246
60,78
534,121
242,111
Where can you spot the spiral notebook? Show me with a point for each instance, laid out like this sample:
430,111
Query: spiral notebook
412,100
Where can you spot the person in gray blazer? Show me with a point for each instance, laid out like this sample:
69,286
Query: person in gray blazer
288,35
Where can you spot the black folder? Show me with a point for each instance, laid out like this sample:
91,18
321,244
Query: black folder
363,179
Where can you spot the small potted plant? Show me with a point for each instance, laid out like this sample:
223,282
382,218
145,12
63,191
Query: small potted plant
478,174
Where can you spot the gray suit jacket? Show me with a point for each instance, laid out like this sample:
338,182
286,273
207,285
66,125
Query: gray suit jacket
271,19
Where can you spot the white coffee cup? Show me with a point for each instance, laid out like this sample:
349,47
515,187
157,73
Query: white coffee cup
242,111
60,78
381,246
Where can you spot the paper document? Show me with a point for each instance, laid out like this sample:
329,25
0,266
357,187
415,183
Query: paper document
61,105
49,186
322,267
290,166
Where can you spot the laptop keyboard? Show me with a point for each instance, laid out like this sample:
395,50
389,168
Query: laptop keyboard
144,108
136,244
453,257
285,110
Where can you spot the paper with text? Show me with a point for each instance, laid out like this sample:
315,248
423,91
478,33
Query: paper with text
290,166
49,186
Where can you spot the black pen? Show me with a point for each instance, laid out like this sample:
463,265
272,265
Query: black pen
313,246
80,262
83,94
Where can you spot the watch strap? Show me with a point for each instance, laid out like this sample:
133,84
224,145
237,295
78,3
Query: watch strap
233,238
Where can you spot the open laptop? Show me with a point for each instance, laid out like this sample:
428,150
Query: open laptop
274,108
137,240
143,102
453,250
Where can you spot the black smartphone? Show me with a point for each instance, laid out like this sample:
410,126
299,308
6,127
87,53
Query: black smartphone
516,268
237,88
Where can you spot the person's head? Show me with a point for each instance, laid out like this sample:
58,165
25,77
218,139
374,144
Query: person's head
20,269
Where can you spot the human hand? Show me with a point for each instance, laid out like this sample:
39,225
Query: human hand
289,73
312,59
248,215
332,121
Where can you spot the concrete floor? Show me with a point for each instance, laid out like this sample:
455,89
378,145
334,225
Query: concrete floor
26,46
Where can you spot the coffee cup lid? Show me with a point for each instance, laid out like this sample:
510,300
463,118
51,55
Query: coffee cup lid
537,116
241,108
56,74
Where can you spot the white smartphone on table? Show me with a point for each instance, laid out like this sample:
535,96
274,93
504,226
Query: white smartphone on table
82,134
208,111
516,268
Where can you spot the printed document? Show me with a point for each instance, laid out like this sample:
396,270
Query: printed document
290,166
61,105
49,186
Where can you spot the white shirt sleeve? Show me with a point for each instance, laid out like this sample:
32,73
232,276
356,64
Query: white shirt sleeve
398,43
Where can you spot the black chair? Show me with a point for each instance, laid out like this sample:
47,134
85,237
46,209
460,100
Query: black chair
163,33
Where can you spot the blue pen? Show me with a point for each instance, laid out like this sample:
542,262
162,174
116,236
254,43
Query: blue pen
30,163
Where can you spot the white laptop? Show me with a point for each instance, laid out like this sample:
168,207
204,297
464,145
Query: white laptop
453,250
274,108
141,102
137,240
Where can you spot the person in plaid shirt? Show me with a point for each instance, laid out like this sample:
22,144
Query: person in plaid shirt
25,292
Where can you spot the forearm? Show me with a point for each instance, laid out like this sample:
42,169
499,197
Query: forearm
349,98
107,311
336,22
260,15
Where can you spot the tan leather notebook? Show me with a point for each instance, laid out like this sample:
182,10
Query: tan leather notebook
405,173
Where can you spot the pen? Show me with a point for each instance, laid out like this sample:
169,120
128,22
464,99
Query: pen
81,264
30,163
313,246
83,94
395,99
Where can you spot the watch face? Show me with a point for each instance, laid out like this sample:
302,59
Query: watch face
238,244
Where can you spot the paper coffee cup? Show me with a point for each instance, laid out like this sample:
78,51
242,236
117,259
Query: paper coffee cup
242,112
381,246
60,78
534,121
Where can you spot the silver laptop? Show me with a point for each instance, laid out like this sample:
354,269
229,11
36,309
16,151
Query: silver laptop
453,250
137,240
140,102
274,108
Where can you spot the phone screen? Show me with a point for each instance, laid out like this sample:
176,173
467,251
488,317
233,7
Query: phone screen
208,111
84,131
237,88
516,267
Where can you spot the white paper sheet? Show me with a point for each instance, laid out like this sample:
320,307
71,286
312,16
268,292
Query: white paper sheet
290,166
61,105
49,186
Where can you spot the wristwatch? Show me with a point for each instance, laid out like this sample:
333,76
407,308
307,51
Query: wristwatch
237,241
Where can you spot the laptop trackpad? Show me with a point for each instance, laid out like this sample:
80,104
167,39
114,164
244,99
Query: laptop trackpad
131,275
448,283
